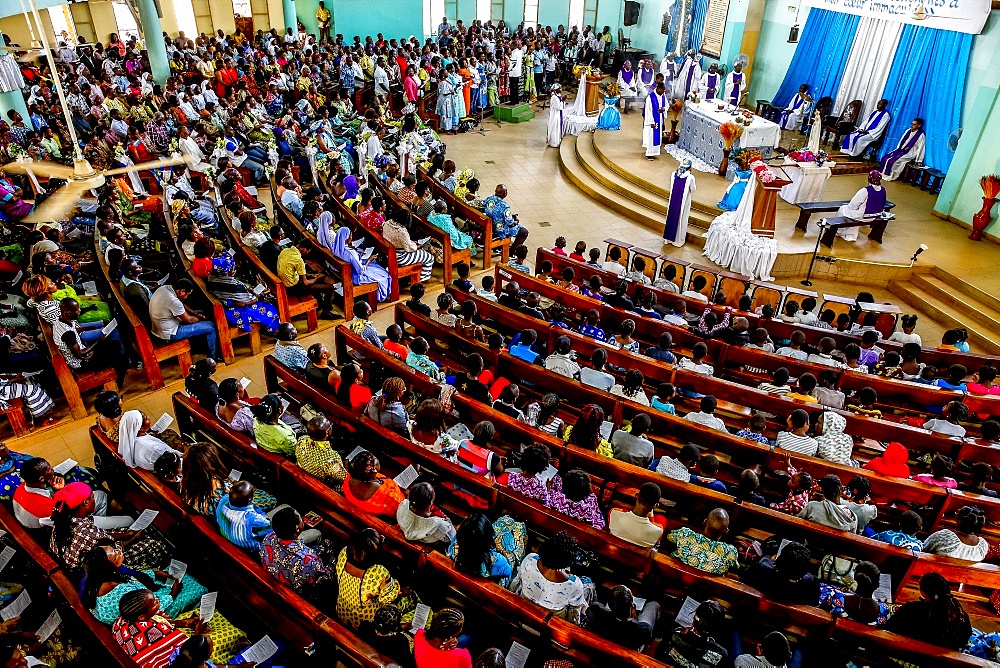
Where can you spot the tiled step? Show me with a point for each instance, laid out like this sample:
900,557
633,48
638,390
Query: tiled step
947,292
990,300
597,190
941,310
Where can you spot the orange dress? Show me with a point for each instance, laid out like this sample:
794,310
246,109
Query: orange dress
466,88
383,502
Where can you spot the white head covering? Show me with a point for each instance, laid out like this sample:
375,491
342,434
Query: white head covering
128,434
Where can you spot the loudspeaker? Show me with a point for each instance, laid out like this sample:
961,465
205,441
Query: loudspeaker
631,12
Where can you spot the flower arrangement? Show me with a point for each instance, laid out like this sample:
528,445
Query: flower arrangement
821,157
610,89
747,156
802,156
210,174
763,173
730,133
585,69
694,96
220,144
173,146
674,109
990,185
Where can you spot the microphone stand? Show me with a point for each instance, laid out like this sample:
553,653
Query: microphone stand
822,226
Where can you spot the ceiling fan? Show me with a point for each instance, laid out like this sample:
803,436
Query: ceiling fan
81,177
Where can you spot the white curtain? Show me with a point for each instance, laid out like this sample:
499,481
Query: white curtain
579,107
730,243
868,65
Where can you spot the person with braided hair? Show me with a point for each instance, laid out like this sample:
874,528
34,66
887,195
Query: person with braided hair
368,489
147,635
937,618
437,645
269,431
586,433
387,407
544,578
963,542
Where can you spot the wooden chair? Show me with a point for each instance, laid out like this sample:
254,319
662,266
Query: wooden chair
710,276
680,266
844,123
767,293
623,246
650,258
16,417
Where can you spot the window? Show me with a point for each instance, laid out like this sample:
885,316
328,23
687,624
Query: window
433,11
62,24
483,10
242,8
127,27
582,13
185,18
496,10
530,13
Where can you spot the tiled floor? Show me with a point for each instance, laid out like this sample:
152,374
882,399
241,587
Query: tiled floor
516,155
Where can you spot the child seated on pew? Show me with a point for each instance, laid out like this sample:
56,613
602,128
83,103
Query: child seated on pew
857,497
800,485
754,431
595,258
623,339
566,278
518,257
639,525
544,272
708,467
746,490
487,292
889,366
956,378
420,520
638,271
982,473
697,362
557,315
706,416
778,384
762,341
843,322
806,315
794,347
953,414
417,291
797,438
910,524
560,246
826,320
462,282
864,404
418,360
661,400
591,328
443,313
941,466
578,251
989,434
666,280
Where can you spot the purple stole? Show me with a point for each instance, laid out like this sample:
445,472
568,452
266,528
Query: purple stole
713,82
874,119
734,97
905,145
678,190
657,117
627,76
642,76
785,113
687,84
876,200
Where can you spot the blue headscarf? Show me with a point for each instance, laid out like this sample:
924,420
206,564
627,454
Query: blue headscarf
223,264
351,184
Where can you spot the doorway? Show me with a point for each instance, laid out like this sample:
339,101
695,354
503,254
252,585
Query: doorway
243,14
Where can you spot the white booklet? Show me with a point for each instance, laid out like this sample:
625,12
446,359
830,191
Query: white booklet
18,605
89,288
685,617
144,520
63,467
5,556
245,382
177,569
207,607
260,651
165,421
49,626
110,327
406,478
257,291
517,655
420,617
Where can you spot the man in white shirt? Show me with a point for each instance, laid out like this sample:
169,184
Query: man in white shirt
597,376
171,320
794,347
613,264
381,79
706,415
636,525
694,291
825,355
515,65
697,362
561,361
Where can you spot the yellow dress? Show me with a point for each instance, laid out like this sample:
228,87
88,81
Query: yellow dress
359,598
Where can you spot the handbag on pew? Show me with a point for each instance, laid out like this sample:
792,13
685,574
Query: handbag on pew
838,571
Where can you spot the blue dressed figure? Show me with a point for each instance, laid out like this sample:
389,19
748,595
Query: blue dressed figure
734,193
610,118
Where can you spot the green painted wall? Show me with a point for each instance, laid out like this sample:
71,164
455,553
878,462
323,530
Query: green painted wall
774,53
646,34
392,18
553,13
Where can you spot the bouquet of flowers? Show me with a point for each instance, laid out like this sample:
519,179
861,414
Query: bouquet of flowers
989,183
172,147
674,109
763,173
210,174
730,133
821,157
610,89
802,156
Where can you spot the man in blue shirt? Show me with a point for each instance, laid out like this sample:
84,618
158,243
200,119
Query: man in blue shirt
522,349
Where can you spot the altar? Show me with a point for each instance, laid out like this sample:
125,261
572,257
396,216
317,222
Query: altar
808,181
700,136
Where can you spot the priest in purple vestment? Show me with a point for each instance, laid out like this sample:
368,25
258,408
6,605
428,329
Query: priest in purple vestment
910,149
652,121
628,85
682,184
867,204
711,82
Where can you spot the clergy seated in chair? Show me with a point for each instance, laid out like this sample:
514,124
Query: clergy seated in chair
858,141
867,204
910,149
791,116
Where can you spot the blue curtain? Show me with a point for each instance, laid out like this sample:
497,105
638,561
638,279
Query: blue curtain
820,57
699,11
927,80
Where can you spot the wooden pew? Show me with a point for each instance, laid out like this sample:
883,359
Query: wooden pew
152,350
226,333
318,251
474,216
452,256
808,209
288,305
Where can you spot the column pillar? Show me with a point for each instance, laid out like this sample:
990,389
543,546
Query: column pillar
288,11
13,100
152,31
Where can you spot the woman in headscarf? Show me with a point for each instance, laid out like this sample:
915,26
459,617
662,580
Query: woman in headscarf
892,462
834,445
137,446
11,205
242,306
462,183
361,272
351,191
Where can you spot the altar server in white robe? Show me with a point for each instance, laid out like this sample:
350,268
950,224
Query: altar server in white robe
736,85
856,142
791,116
711,83
669,68
682,184
652,121
867,204
689,77
910,149
647,79
628,85
554,132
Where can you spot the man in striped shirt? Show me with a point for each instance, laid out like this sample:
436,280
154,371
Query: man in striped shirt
797,438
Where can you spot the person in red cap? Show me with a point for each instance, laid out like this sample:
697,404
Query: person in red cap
892,462
34,498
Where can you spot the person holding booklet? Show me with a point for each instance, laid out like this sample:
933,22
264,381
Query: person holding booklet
81,357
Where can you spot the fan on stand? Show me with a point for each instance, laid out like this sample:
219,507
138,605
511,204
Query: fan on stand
80,178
